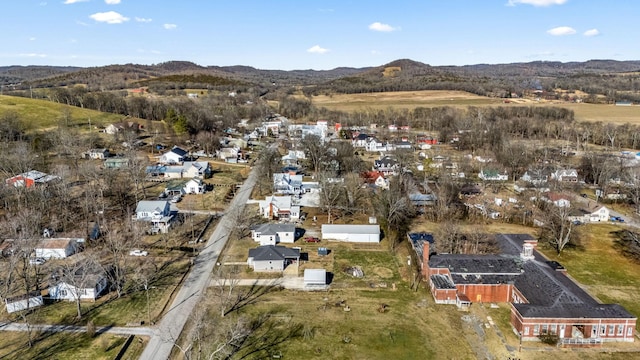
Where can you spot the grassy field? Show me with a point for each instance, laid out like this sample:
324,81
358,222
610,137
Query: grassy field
433,98
593,267
43,114
67,346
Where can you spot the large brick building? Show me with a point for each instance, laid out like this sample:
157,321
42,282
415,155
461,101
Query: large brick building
544,300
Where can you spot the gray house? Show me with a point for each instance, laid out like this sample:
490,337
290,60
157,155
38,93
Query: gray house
156,212
272,258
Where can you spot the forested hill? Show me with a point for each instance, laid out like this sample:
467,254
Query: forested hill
615,79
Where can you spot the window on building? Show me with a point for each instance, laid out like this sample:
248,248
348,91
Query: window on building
536,330
545,329
610,330
526,330
63,292
630,331
620,330
552,328
603,330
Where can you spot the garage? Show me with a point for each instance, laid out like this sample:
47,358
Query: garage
351,233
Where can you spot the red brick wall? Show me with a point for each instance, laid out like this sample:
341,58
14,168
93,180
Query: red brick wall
486,292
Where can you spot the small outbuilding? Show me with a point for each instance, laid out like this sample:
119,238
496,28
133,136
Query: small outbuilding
58,248
315,277
23,302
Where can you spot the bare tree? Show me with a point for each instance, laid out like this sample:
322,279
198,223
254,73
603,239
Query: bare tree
558,229
331,194
315,151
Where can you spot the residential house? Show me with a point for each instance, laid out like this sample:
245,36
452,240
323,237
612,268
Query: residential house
115,128
351,233
403,143
361,140
174,156
421,200
374,145
424,142
376,178
57,248
319,129
387,166
557,199
85,283
228,154
31,178
565,175
156,212
492,175
536,177
23,302
279,207
593,212
116,163
96,154
285,183
195,186
192,169
293,157
544,300
188,169
272,258
272,234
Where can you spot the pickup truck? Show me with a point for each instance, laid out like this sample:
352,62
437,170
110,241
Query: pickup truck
311,239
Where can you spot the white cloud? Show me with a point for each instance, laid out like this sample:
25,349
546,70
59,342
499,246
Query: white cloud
561,30
32,39
591,32
33,55
170,26
377,26
536,2
112,2
109,17
143,20
317,50
67,2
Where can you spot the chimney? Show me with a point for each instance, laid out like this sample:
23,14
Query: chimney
527,251
425,259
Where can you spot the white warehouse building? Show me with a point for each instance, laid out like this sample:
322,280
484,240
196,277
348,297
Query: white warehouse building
351,233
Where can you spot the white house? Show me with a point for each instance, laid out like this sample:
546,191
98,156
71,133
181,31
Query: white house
492,175
97,154
351,233
558,200
285,183
279,207
57,248
271,234
174,156
228,154
272,258
293,157
567,175
156,212
23,302
593,213
194,186
86,283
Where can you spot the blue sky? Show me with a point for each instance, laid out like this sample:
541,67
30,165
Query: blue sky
312,34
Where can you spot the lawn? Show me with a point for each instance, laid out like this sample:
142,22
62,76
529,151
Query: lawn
593,266
67,346
43,114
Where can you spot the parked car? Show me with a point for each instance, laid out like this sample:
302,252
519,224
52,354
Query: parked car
616,219
584,195
311,239
138,252
37,261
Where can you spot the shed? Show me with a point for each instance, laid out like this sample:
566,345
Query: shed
59,248
23,302
315,277
351,233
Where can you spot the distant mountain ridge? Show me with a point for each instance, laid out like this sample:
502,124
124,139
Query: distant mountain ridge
387,77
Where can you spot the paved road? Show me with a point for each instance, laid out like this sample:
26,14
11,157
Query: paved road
171,325
140,331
